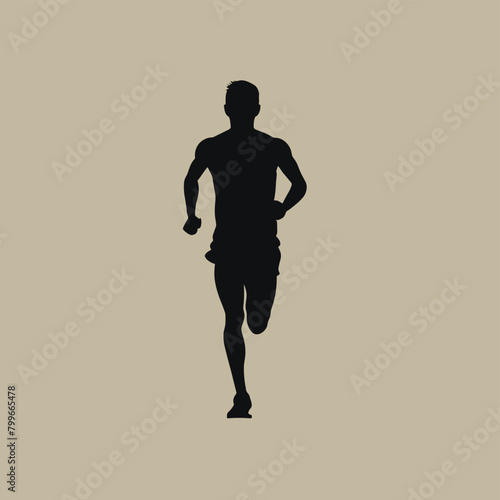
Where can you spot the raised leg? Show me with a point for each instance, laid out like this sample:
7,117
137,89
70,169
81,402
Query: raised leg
260,298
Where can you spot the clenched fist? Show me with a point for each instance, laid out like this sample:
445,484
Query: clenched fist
192,225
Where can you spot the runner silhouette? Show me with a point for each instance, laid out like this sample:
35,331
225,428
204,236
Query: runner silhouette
245,249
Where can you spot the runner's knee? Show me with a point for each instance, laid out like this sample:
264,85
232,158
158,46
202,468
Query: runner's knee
258,313
234,320
257,320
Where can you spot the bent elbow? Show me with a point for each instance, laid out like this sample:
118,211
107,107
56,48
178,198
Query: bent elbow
303,187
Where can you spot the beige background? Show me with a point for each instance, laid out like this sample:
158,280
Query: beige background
162,336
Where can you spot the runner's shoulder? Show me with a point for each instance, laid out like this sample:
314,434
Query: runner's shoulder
205,147
279,145
210,143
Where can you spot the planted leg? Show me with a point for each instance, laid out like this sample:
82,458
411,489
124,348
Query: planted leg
230,290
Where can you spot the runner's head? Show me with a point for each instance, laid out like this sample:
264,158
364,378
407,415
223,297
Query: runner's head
242,100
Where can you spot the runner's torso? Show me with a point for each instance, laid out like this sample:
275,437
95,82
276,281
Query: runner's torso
244,173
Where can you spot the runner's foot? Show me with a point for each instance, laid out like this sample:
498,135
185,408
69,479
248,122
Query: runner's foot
242,403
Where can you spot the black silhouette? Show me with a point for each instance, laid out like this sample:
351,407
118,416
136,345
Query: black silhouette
245,249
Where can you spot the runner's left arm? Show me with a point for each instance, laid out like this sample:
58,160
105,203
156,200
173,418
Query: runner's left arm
289,167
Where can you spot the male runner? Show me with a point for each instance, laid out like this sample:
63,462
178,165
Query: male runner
243,163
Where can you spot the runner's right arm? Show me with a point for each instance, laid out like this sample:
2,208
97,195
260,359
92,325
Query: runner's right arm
191,187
